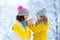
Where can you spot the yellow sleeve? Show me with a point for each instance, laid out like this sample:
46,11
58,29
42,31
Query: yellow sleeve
27,32
33,27
39,28
18,29
43,27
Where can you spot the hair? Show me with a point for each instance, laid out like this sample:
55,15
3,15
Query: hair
44,19
19,18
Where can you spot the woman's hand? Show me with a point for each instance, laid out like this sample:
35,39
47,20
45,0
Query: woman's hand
29,21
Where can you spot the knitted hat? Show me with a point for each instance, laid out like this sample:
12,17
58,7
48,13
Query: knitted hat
22,11
20,7
42,12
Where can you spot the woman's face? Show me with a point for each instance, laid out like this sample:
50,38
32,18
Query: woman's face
26,16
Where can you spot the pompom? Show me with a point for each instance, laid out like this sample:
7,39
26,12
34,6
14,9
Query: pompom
41,11
20,7
44,9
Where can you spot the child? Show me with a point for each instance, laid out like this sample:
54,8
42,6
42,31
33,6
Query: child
20,27
41,27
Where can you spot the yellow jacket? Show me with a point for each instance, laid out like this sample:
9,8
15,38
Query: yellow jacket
25,34
39,31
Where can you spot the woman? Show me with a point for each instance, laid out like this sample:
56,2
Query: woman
41,27
20,27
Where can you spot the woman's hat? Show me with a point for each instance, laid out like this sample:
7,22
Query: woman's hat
22,11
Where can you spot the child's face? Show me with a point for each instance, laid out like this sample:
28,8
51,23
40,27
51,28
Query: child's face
41,18
37,16
26,16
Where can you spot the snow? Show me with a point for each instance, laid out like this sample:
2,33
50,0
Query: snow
8,12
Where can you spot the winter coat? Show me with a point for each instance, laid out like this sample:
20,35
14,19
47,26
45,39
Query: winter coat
23,33
40,31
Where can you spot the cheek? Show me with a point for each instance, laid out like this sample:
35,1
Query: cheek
25,16
40,18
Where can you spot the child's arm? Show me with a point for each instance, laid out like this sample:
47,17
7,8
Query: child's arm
38,28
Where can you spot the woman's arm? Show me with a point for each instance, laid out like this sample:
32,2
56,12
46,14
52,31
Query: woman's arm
18,29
